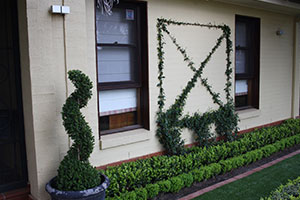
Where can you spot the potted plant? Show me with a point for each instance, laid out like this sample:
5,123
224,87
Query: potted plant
77,178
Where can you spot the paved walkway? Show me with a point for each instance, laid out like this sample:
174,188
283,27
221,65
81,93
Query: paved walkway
210,188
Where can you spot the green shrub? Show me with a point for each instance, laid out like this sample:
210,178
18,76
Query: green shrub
237,162
289,191
128,196
251,156
216,168
198,175
164,186
141,194
176,184
207,172
129,176
124,196
152,190
187,179
75,172
75,175
226,165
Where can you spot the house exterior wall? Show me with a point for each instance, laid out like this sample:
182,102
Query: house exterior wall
54,44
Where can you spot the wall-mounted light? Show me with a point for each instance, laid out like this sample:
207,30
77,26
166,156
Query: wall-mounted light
279,32
57,9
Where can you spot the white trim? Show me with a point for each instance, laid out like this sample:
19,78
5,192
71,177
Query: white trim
248,113
114,112
124,138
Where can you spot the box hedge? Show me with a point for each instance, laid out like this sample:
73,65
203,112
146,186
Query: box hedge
171,173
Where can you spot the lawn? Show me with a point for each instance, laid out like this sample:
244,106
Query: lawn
259,184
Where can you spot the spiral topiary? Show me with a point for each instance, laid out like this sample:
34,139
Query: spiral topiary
75,172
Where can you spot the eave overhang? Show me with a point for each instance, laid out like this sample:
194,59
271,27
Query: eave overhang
290,7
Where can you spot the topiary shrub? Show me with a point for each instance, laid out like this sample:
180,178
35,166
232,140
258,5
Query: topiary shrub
75,172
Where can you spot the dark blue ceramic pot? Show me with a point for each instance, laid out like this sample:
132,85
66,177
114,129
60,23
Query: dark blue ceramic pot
96,193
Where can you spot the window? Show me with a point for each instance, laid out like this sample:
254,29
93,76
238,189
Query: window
247,48
122,67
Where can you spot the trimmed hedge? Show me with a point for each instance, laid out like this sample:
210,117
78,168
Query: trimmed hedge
129,176
289,191
174,184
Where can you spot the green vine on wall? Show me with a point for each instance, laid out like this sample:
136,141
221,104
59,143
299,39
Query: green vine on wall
171,121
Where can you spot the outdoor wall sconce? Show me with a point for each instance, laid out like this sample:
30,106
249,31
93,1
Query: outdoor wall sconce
279,32
57,9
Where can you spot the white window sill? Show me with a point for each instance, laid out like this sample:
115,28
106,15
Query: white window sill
124,138
248,113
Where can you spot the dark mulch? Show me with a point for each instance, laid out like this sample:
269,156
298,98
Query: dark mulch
219,178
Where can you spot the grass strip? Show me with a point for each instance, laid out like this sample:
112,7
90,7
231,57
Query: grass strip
258,184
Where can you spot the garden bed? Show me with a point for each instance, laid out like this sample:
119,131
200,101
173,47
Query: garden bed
146,179
223,177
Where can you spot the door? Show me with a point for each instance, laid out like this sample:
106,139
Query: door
13,171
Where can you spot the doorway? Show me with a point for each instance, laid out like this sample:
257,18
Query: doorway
13,168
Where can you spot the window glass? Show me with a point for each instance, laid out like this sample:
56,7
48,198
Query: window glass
117,101
118,108
247,62
116,28
116,63
240,61
241,87
117,121
241,101
122,68
241,37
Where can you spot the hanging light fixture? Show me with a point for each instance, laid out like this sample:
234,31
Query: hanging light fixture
106,6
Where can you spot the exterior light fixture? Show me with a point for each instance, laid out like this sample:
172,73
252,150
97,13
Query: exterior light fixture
57,9
279,32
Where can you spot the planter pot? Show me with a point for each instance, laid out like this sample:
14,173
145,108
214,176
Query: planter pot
96,193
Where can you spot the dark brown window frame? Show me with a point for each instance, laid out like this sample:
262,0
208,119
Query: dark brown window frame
142,82
253,60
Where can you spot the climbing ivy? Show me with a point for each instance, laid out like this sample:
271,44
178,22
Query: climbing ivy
171,121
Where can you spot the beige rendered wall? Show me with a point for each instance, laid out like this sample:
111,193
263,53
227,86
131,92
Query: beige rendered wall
276,64
59,43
